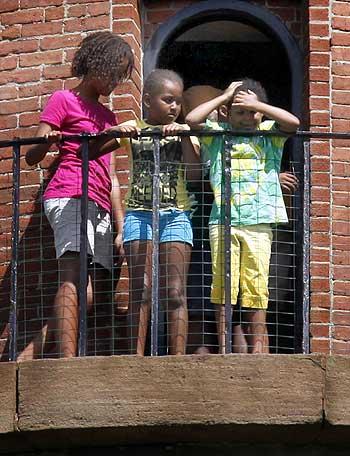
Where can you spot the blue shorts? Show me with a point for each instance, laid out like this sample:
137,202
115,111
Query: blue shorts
174,226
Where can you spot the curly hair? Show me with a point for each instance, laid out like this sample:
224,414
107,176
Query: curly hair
254,86
100,55
155,80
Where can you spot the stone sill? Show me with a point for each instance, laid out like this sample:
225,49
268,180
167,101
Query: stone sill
128,399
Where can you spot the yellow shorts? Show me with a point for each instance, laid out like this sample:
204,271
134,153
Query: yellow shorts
250,262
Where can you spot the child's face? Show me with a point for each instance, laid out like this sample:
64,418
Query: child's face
105,85
164,107
243,119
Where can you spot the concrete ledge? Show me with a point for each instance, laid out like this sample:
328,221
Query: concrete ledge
7,397
132,399
337,391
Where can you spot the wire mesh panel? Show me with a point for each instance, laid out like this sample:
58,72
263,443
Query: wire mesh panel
122,309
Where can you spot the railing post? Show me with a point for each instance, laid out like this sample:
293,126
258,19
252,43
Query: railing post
14,259
83,282
226,163
155,248
306,250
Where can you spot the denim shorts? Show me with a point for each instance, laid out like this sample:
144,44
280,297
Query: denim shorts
174,226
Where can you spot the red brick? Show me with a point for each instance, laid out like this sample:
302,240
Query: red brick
13,107
320,285
97,9
340,39
341,287
26,120
319,330
341,318
340,83
320,315
126,12
341,302
319,44
340,126
19,47
320,194
339,184
319,103
319,254
54,13
38,3
9,5
341,169
341,112
7,122
340,23
85,24
42,88
341,333
8,63
318,14
57,71
320,179
158,17
319,270
48,28
320,345
40,58
125,26
320,224
320,209
8,92
59,42
319,148
319,59
11,32
318,88
341,8
320,118
340,348
23,17
341,273
319,74
77,11
341,198
341,242
317,29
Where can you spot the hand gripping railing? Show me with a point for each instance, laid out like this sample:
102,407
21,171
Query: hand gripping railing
85,138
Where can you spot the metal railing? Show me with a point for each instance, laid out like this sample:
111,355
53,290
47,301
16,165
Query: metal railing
298,320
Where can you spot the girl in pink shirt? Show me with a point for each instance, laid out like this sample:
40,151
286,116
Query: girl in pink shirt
102,62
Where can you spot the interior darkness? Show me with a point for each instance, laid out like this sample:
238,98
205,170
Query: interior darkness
217,64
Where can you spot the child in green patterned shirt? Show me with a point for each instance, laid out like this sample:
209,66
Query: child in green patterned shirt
256,200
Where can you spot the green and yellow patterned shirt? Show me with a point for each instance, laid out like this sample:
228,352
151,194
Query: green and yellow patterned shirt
256,195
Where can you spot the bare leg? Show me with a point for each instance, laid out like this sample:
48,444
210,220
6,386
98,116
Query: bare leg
139,257
256,331
174,264
221,327
239,340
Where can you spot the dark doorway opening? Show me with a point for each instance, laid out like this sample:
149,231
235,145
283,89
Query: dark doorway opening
216,52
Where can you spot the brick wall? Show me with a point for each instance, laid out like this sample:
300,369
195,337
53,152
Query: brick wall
38,40
35,61
330,217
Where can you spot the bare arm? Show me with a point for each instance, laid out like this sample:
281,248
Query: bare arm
286,120
196,118
117,207
190,151
38,152
103,144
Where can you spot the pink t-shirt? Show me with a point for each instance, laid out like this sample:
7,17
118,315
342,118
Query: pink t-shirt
69,113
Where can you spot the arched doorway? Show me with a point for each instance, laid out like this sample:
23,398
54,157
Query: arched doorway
215,43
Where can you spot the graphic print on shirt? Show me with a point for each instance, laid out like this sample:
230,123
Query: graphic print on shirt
141,192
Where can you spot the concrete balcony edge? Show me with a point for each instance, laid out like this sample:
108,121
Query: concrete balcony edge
128,400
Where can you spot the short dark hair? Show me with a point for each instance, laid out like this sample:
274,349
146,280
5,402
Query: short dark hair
155,80
254,86
100,54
